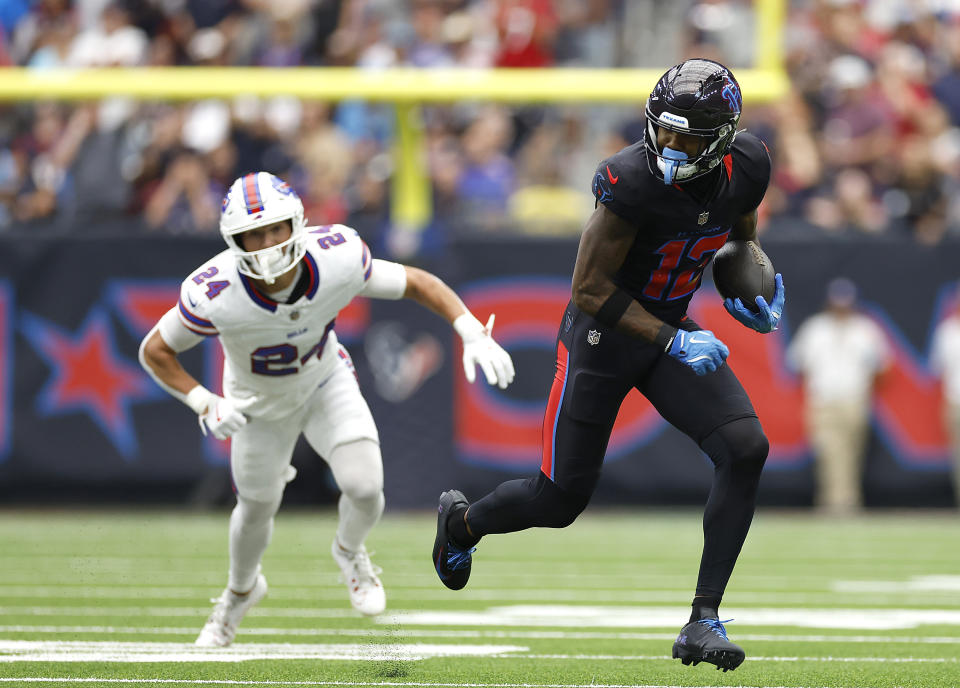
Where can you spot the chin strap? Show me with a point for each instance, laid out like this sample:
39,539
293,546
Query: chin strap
672,159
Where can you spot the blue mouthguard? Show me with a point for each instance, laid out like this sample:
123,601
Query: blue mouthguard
671,161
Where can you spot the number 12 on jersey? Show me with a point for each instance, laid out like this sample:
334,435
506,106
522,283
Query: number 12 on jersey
684,280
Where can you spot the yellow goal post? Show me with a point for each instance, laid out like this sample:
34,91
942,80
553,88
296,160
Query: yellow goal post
406,88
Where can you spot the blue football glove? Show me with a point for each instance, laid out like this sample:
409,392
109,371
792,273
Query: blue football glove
699,350
769,316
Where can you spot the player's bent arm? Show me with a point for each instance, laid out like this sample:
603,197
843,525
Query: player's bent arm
158,356
431,292
392,281
767,320
389,280
604,245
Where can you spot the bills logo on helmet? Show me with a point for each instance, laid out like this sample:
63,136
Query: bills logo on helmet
225,203
281,185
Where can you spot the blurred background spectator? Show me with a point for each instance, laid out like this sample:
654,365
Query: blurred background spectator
866,144
840,353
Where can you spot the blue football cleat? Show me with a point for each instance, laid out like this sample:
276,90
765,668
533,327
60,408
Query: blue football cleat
451,562
706,641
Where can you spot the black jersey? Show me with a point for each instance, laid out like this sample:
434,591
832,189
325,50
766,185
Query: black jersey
680,227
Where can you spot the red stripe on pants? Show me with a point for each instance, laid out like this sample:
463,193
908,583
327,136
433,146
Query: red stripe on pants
553,408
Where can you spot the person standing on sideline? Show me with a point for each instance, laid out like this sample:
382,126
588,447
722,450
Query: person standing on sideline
272,298
664,206
840,353
945,361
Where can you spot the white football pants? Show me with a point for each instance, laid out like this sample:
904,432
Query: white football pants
337,423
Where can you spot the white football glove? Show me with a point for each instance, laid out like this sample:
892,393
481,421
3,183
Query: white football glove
215,414
479,348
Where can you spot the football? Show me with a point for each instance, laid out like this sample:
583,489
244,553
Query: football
742,269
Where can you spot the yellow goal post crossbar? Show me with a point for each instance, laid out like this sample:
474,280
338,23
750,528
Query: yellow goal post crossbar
396,85
406,88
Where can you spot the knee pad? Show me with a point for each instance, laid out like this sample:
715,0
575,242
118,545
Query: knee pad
253,514
741,444
358,469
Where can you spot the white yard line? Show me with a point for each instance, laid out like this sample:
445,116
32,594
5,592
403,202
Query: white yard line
13,651
103,651
758,658
477,634
163,612
551,616
377,684
586,616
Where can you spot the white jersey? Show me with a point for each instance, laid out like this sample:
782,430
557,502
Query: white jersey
276,354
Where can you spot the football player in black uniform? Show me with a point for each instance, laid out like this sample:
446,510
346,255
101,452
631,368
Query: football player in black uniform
663,207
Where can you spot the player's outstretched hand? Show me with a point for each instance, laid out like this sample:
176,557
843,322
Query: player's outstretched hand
699,349
768,318
221,418
479,348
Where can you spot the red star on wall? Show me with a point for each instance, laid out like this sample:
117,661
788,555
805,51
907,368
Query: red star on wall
89,376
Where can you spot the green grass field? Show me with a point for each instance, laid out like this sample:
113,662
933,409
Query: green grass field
116,598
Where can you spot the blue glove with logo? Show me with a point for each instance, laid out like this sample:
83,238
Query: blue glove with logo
769,316
699,350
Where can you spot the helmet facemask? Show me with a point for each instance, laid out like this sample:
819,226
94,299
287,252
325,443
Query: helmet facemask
676,166
260,200
268,264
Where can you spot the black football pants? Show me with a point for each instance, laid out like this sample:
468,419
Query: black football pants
596,368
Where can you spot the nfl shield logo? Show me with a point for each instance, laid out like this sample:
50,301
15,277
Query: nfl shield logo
593,337
702,219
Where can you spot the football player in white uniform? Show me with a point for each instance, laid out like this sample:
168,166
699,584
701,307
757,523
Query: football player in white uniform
272,298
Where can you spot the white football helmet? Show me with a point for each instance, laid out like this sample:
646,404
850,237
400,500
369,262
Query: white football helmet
258,200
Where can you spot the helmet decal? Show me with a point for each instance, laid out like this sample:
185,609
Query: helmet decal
251,195
731,93
676,120
281,185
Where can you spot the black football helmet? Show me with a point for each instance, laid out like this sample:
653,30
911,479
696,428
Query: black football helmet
699,98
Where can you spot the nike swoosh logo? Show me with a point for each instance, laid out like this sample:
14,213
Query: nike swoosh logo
698,341
613,180
191,301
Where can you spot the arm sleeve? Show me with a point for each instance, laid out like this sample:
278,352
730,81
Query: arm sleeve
191,311
388,280
175,333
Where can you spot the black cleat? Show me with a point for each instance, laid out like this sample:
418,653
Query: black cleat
451,562
706,641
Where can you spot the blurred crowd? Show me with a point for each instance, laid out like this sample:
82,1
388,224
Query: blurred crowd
866,143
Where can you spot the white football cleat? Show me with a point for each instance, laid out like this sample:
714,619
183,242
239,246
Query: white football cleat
228,611
366,592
